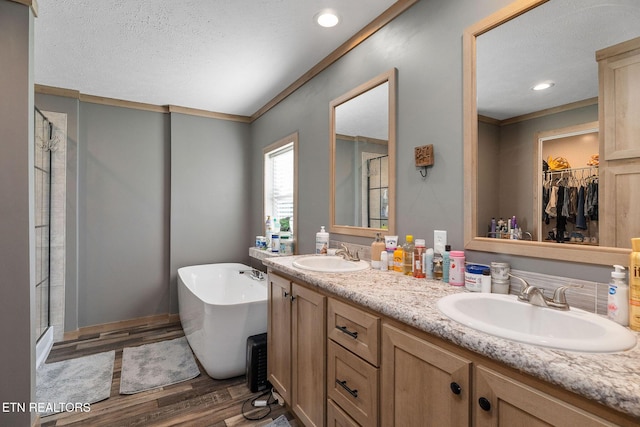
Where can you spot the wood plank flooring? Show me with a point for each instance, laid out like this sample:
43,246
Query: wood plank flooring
201,401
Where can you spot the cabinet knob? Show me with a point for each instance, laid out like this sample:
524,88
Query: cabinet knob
484,404
455,388
286,294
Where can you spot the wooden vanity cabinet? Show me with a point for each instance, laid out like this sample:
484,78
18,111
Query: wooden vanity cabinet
296,346
421,383
404,377
503,401
352,365
279,336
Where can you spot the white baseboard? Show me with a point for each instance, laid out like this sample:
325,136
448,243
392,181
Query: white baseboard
43,347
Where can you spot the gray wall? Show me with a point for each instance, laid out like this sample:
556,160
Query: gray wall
425,45
123,214
17,241
210,178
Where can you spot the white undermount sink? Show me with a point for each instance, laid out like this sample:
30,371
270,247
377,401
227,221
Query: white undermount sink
506,317
329,264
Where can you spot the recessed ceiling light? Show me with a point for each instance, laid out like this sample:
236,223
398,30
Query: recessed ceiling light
543,86
327,18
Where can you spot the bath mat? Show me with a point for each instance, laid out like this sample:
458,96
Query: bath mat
281,421
156,365
62,386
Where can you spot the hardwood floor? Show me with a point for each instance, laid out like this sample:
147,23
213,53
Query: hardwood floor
201,401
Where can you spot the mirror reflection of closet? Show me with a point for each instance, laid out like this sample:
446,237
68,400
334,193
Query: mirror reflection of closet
567,185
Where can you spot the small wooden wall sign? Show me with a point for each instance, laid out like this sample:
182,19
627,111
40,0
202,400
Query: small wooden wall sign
424,155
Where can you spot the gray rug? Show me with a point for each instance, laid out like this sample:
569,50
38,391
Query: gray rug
157,365
83,380
281,421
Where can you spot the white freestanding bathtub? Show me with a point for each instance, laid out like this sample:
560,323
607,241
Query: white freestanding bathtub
221,305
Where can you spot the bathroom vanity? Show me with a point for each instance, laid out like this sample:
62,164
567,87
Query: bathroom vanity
370,348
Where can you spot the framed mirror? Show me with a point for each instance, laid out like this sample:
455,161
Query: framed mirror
505,56
362,158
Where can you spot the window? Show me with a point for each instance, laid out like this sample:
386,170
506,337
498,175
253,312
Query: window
280,180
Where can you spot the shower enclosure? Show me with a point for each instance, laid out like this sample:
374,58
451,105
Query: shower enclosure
42,175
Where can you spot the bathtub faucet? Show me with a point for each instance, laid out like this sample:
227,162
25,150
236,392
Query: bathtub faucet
253,274
346,254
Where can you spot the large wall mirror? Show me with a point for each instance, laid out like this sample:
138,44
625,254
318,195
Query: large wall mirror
362,130
505,56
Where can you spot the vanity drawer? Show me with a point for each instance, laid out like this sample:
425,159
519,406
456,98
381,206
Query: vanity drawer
355,330
353,384
336,417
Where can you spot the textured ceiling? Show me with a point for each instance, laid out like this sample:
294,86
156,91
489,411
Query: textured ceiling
228,56
556,41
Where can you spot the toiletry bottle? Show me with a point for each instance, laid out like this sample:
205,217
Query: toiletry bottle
634,285
267,231
446,263
275,242
437,267
486,281
377,247
398,259
456,268
428,263
390,262
322,241
407,255
618,299
384,260
418,252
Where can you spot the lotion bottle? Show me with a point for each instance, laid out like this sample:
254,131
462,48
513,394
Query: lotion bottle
322,241
618,299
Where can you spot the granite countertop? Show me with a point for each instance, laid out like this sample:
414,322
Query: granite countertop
612,379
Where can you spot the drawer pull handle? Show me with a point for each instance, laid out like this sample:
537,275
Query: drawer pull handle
484,404
455,388
343,384
344,329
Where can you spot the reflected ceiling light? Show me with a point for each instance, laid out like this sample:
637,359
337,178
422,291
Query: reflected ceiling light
543,86
327,18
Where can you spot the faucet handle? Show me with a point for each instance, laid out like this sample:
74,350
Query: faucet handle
559,294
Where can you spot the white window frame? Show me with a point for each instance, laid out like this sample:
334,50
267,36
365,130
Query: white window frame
280,145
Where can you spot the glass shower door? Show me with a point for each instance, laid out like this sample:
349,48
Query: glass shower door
42,175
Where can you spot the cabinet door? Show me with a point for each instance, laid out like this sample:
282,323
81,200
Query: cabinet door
507,402
308,356
421,383
619,104
279,335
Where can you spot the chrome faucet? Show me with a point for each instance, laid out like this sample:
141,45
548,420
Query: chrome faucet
346,254
535,296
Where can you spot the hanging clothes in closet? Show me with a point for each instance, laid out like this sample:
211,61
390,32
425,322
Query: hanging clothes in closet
570,196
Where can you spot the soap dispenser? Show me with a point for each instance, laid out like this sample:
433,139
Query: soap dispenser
377,247
618,299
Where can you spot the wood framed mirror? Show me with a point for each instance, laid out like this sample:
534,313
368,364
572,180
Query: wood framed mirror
363,158
535,37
